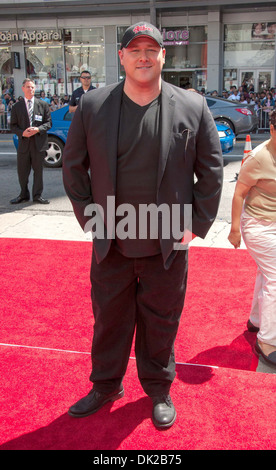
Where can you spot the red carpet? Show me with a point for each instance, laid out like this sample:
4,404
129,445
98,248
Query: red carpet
46,329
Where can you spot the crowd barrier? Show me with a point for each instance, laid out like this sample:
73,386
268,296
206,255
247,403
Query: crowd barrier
263,117
5,122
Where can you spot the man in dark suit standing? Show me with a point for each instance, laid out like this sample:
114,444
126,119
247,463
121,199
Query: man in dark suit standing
142,143
30,121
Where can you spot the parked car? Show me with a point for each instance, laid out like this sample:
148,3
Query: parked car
61,120
227,138
241,118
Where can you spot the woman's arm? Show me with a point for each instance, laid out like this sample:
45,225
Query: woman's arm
240,193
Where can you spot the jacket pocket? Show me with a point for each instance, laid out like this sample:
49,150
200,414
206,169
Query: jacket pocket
182,138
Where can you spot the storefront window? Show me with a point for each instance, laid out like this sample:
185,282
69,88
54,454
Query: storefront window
249,31
254,54
85,52
230,78
196,79
79,58
45,66
6,68
120,32
84,36
6,77
249,52
185,57
55,59
44,59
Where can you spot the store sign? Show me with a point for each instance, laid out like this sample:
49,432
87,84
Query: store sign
30,36
179,37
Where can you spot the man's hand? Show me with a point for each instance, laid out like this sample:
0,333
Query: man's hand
30,131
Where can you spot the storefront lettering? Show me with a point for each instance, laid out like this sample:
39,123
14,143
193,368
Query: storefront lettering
30,36
178,37
8,37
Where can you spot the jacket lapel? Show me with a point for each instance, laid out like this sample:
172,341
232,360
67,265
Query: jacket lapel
167,114
112,129
36,108
25,114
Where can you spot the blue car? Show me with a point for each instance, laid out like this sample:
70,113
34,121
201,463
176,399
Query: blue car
227,138
61,120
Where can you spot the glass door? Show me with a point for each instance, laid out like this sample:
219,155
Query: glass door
264,80
259,79
248,78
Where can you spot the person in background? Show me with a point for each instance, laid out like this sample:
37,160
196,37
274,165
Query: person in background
250,101
43,97
65,100
225,94
254,218
77,94
243,99
267,105
55,103
235,96
30,121
2,116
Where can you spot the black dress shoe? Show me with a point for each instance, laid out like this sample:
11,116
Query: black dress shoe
93,402
19,199
252,328
163,413
270,358
41,200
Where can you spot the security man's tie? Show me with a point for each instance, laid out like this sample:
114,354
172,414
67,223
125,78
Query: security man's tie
30,111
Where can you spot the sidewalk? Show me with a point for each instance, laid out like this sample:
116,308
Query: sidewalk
262,136
65,227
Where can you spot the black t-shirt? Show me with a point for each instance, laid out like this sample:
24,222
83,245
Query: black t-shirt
137,168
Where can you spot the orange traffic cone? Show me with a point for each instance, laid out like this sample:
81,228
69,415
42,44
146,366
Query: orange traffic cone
247,148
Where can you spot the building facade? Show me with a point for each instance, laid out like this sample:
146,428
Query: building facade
210,45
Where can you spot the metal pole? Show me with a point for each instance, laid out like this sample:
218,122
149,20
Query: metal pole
152,12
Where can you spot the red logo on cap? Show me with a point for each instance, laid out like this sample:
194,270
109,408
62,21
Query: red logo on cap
137,29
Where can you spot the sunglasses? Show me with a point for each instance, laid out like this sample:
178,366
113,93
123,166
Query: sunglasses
86,77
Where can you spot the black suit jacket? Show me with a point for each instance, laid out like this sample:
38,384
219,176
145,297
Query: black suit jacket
190,163
41,119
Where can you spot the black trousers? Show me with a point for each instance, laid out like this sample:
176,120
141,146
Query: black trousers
129,293
29,159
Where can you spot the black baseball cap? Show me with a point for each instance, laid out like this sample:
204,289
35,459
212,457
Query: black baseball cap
141,29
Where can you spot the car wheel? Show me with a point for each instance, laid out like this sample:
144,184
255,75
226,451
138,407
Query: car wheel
53,158
226,122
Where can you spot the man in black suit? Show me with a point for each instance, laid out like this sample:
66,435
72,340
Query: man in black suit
30,121
140,144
